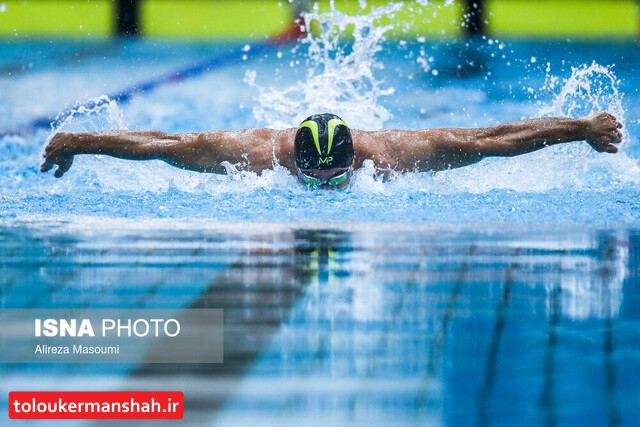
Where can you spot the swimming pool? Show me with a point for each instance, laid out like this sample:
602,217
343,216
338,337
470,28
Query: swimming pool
502,293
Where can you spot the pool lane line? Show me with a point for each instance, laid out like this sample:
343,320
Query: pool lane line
125,95
439,341
485,391
547,399
71,54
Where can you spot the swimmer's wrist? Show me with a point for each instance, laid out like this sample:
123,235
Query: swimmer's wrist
83,143
67,142
587,128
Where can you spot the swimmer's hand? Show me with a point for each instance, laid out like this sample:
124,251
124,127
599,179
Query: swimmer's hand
603,130
59,152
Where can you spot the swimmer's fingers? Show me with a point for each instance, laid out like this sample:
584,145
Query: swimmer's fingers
64,164
49,162
46,166
57,153
604,146
617,139
606,141
63,167
604,131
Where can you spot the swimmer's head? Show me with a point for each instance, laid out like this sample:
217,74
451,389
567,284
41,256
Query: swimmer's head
324,151
323,142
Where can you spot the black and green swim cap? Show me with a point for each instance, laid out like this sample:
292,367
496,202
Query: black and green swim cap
323,141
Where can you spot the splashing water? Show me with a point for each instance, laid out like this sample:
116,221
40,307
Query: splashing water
594,88
340,77
95,114
111,174
568,166
589,88
341,80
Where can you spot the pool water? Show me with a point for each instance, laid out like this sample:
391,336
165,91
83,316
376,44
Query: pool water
358,325
498,294
567,184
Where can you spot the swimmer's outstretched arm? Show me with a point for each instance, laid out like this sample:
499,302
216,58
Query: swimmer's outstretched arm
250,149
438,149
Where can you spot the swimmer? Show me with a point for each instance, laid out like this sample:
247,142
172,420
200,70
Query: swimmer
323,151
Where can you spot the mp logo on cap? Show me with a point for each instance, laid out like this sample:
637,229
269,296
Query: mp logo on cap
331,125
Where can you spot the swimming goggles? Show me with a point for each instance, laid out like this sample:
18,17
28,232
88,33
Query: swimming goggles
334,181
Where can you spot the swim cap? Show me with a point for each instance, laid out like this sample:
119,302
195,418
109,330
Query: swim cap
323,141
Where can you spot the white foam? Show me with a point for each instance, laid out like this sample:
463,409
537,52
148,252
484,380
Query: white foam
340,76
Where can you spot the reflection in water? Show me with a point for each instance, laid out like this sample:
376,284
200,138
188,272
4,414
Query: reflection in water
592,282
547,401
357,325
492,358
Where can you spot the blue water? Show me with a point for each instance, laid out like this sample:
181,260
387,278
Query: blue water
361,325
504,293
568,184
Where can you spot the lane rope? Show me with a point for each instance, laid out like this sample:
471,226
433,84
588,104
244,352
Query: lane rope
125,95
